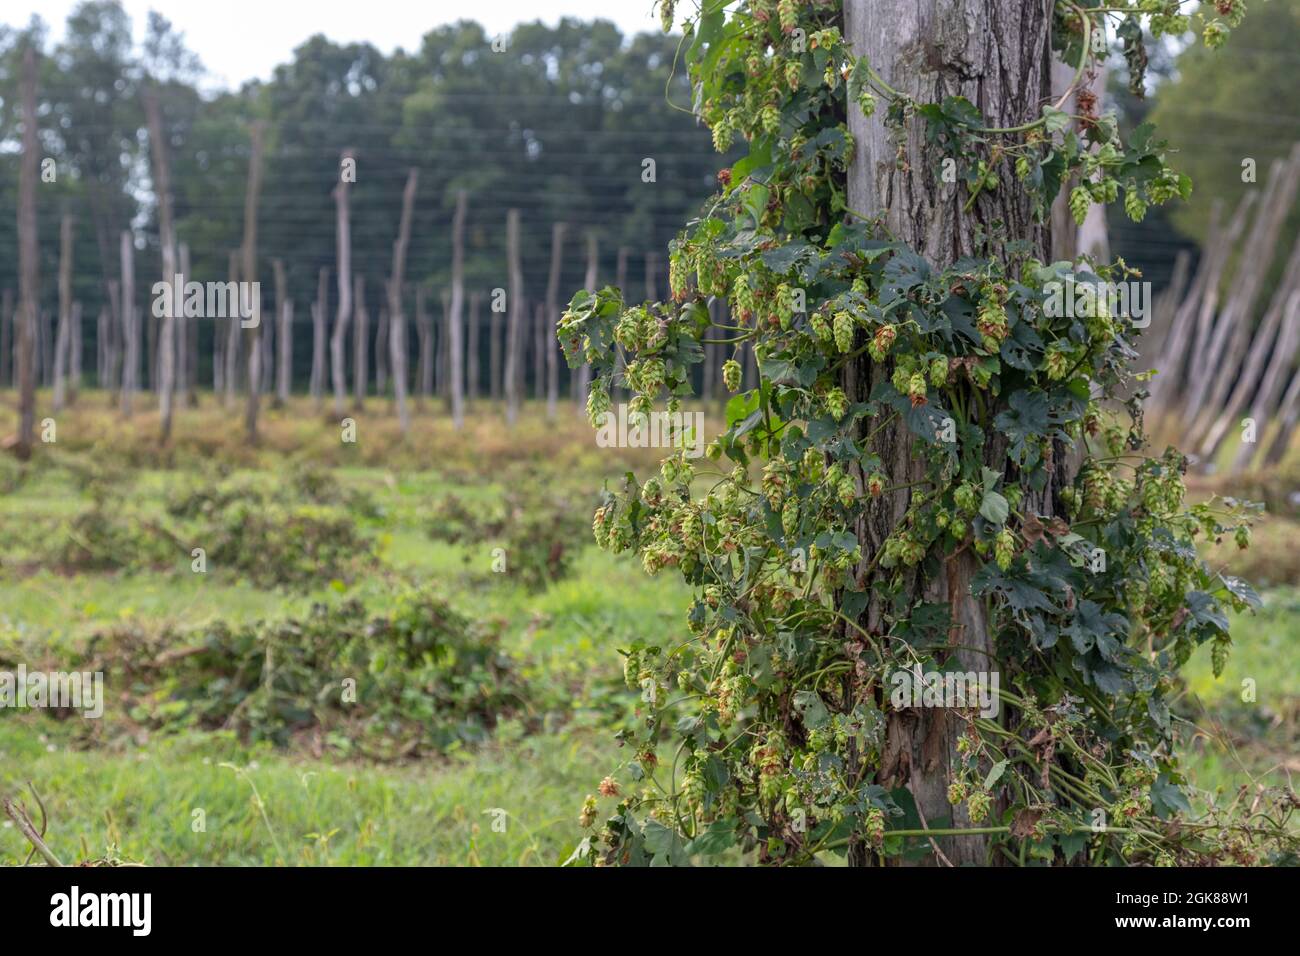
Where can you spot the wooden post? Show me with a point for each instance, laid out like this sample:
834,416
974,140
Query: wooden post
441,362
343,254
430,377
549,343
397,331
583,372
473,365
514,372
318,307
381,352
74,355
6,340
496,341
253,333
186,354
455,345
167,240
62,343
114,344
360,345
28,263
130,325
284,315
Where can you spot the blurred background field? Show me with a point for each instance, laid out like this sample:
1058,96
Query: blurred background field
224,687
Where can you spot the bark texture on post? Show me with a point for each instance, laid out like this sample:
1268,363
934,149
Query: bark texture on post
455,344
318,311
284,341
396,318
360,344
28,262
514,372
551,343
130,325
343,255
996,53
63,338
167,240
472,365
582,375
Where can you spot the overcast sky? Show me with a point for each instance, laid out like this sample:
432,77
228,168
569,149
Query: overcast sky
238,40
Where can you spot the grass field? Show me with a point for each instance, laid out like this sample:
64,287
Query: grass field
196,764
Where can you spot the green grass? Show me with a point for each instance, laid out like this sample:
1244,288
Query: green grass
138,791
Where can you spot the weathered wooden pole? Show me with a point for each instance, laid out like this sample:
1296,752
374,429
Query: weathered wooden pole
514,372
549,342
455,343
397,318
343,255
28,263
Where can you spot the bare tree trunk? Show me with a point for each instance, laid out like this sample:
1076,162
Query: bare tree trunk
360,345
231,353
381,353
496,342
284,316
252,194
62,341
28,261
344,315
514,372
130,325
473,366
186,348
1006,71
74,355
620,283
167,240
397,331
6,336
318,310
429,375
550,342
583,373
455,344
438,364
113,342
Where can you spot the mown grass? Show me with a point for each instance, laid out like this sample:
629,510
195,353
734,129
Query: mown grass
136,790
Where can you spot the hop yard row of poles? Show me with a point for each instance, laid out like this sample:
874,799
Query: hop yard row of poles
138,350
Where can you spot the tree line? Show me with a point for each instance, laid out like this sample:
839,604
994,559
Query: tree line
380,201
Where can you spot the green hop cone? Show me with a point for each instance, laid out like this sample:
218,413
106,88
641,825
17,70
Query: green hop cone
731,375
1134,207
939,372
837,403
1004,548
1080,201
821,328
666,15
843,331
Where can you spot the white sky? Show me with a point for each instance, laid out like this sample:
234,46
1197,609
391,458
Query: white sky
238,40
